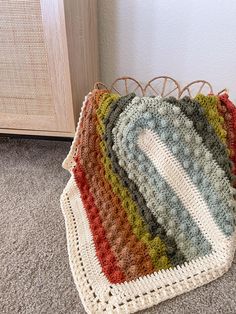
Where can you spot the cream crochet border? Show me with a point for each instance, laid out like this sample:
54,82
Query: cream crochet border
96,292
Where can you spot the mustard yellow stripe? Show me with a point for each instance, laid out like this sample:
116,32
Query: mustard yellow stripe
156,247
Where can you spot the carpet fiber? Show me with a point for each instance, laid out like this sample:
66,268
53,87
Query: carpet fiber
35,275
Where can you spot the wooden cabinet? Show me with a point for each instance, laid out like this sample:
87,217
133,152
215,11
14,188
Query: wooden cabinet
48,63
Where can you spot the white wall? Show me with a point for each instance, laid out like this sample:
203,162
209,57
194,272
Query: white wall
185,39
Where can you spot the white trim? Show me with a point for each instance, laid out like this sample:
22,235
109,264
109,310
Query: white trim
164,284
69,162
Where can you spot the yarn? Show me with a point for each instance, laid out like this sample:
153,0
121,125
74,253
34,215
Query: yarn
210,105
228,111
150,207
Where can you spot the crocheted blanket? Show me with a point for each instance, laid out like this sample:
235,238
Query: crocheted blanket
150,205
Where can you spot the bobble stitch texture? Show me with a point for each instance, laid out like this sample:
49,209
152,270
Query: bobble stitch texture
155,190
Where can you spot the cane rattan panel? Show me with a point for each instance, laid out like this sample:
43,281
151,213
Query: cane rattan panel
25,83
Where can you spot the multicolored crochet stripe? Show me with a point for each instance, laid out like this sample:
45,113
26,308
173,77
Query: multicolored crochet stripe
143,165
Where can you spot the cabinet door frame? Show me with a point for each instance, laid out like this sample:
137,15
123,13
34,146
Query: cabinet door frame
54,26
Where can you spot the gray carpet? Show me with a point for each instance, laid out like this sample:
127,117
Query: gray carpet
34,271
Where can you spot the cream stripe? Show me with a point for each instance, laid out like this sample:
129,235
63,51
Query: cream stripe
170,168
